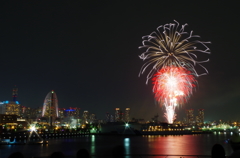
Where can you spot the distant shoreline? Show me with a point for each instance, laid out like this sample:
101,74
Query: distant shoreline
25,135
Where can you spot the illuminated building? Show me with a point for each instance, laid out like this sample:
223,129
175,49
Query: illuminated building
75,112
8,120
127,116
200,117
36,113
85,116
11,107
50,107
92,118
117,114
31,113
111,118
107,117
61,112
121,116
190,117
25,111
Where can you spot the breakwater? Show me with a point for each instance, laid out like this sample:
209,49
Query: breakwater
26,135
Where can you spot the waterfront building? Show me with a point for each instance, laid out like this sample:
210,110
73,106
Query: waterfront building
190,117
74,112
121,116
36,112
8,121
25,112
200,117
127,115
11,122
107,117
117,114
61,112
10,108
111,118
50,107
85,117
92,118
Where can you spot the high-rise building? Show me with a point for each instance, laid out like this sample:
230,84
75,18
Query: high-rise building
190,117
107,117
111,118
85,117
200,117
121,116
72,112
92,118
61,112
25,112
117,114
76,113
10,108
50,107
127,115
36,112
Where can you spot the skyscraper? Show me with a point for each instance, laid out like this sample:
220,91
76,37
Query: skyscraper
200,117
190,117
85,117
92,118
107,117
50,107
127,115
72,112
117,114
11,107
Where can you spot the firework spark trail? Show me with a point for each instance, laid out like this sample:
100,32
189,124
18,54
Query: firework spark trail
171,45
170,113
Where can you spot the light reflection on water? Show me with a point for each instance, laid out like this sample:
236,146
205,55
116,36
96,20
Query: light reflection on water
127,145
93,144
103,145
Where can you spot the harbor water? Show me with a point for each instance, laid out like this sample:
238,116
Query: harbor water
135,146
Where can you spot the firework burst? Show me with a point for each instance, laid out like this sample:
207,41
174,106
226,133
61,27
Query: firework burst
171,55
172,86
173,81
171,45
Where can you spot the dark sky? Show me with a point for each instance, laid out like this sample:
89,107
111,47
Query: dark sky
88,53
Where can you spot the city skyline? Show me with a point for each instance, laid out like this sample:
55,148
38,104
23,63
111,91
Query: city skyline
124,111
88,54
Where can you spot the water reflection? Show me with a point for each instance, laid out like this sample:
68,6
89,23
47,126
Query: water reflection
145,145
199,144
127,145
93,144
174,145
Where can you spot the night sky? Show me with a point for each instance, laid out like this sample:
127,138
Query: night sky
88,54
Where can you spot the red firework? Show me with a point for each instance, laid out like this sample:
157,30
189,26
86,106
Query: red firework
174,83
